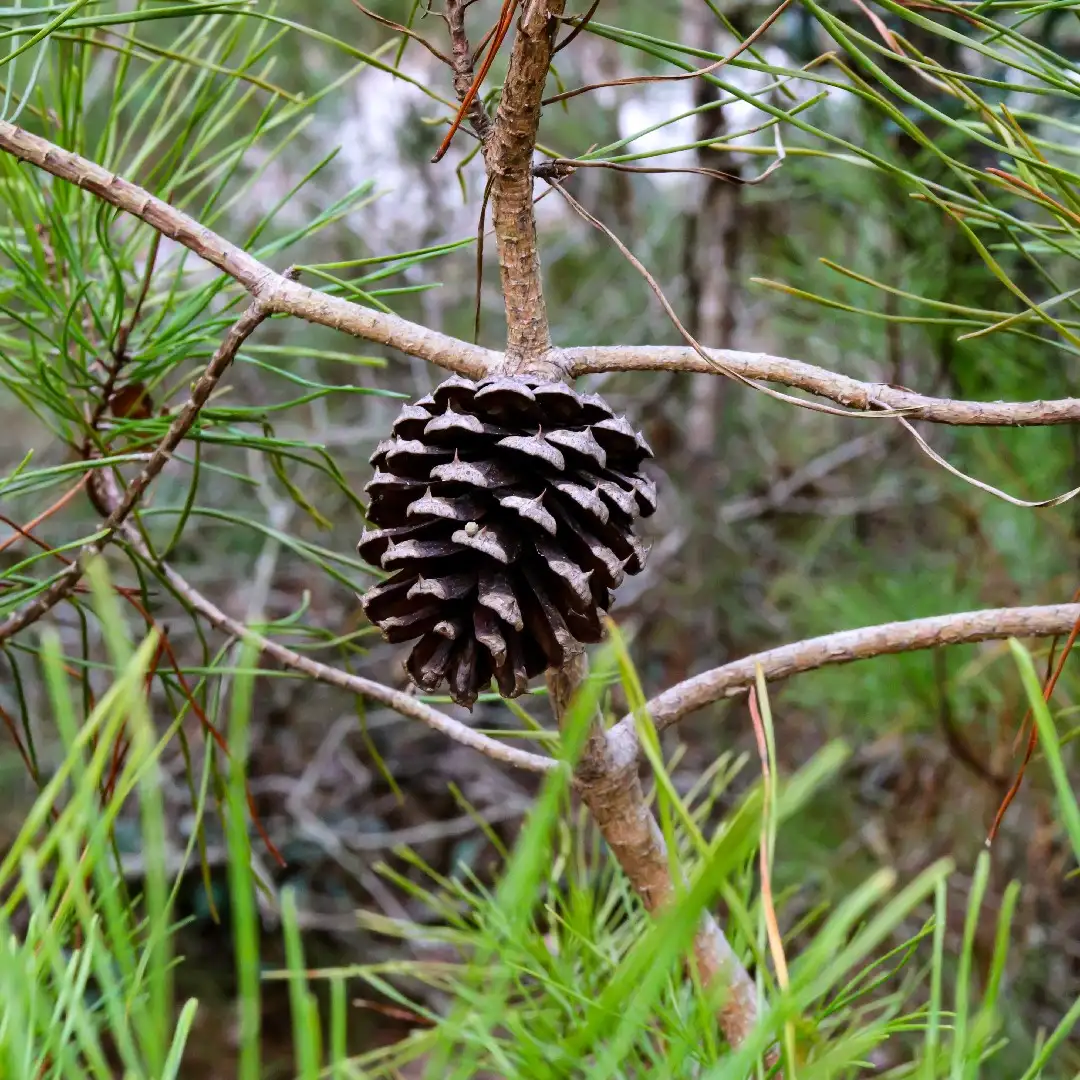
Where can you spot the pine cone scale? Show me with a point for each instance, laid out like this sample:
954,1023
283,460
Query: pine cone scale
451,587
496,593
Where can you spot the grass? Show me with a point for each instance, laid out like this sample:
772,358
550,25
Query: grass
554,969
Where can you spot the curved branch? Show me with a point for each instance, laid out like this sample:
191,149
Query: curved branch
65,584
607,780
280,295
846,646
274,291
853,393
398,700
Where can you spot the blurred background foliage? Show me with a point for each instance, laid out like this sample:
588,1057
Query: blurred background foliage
881,247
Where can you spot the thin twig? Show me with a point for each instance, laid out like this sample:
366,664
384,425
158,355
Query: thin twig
483,44
66,582
400,29
45,514
398,700
934,456
480,260
635,80
13,731
464,82
119,351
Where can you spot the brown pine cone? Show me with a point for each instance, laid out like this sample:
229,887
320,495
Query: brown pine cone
505,514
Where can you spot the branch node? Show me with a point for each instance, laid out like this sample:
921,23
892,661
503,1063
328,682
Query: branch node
553,170
552,364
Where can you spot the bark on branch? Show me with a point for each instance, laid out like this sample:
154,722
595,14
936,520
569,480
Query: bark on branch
854,393
607,780
508,155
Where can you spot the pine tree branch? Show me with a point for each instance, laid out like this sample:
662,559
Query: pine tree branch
398,700
607,779
65,584
846,646
854,393
280,295
275,292
508,155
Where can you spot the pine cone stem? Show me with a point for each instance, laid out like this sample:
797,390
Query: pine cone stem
551,365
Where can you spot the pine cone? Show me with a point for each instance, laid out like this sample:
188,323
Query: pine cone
505,512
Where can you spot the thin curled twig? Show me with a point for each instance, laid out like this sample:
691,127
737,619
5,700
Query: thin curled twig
934,456
635,80
200,391
477,304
